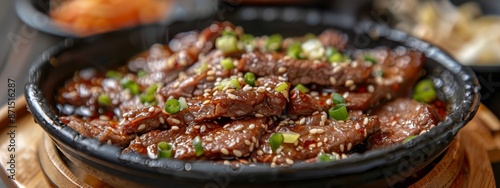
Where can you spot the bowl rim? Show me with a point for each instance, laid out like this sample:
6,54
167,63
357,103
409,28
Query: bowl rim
446,129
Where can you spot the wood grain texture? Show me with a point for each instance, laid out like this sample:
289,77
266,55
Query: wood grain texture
465,164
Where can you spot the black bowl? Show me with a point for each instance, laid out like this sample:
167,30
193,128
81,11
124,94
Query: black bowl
457,85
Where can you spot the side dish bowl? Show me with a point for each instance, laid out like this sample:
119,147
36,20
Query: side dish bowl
456,84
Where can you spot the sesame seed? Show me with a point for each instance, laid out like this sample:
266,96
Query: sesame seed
176,121
296,143
320,144
261,89
300,148
371,89
206,101
224,151
302,121
264,126
388,96
203,128
247,88
323,117
273,164
345,95
341,147
357,126
313,131
175,128
336,69
349,146
251,147
333,81
314,113
326,139
254,139
225,126
251,126
211,73
289,161
352,87
424,131
312,146
365,133
238,128
344,156
365,121
141,127
247,142
314,93
393,123
103,117
196,127
151,109
349,83
259,115
231,96
329,102
282,70
237,153
162,121
226,162
260,152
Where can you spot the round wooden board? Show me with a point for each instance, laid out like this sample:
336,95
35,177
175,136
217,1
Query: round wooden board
39,164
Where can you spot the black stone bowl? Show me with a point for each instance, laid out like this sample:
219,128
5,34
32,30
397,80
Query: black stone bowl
456,84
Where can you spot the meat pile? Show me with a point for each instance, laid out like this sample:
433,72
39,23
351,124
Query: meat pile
235,121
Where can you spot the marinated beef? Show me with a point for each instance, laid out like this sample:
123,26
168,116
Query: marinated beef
233,140
400,119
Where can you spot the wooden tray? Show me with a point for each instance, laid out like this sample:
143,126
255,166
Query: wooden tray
40,164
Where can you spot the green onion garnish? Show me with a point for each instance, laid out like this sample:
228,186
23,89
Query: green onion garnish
337,99
274,42
336,58
409,138
370,59
198,148
141,73
425,91
104,100
114,74
229,83
301,88
147,98
227,43
164,150
338,112
248,42
228,32
249,78
281,87
172,106
132,86
227,63
308,36
325,157
378,73
290,137
330,51
295,50
275,141
183,103
202,68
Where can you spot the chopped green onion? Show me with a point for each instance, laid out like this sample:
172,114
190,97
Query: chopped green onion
229,83
227,43
248,42
147,98
132,86
338,112
274,42
172,106
378,73
290,137
295,50
114,74
370,59
336,58
275,141
301,88
104,100
325,157
313,49
308,36
198,148
183,103
152,89
202,68
228,32
227,63
338,99
281,87
164,150
330,51
409,138
249,78
425,91
141,73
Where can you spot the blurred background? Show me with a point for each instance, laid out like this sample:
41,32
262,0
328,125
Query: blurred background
468,30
